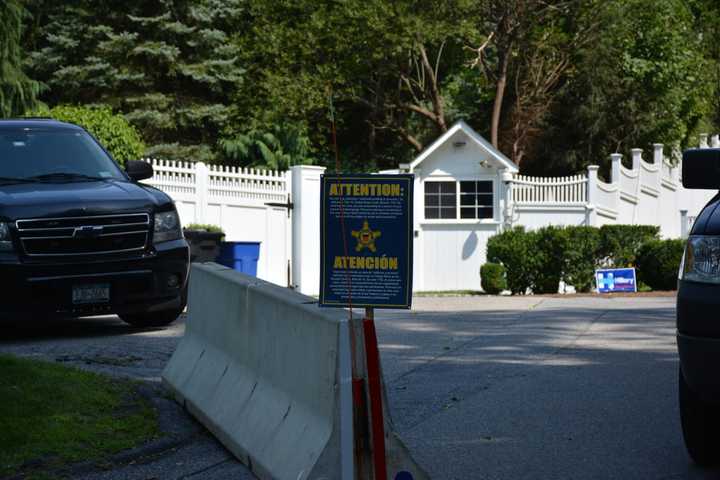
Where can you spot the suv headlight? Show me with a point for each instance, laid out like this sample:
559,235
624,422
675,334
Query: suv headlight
701,262
5,240
167,227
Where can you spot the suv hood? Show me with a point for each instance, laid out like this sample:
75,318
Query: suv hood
37,200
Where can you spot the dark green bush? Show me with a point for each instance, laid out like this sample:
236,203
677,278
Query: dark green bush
538,260
113,132
514,250
492,278
658,262
620,244
549,246
581,257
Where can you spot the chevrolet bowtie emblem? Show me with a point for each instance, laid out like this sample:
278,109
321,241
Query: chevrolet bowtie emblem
87,232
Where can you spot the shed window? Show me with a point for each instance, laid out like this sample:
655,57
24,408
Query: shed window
440,200
476,199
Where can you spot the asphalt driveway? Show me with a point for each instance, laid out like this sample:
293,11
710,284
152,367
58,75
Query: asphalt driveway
480,388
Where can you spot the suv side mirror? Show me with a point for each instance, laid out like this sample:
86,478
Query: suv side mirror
701,168
138,170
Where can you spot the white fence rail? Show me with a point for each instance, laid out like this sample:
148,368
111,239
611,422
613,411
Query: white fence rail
550,190
245,202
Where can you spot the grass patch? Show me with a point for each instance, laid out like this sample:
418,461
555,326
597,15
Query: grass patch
52,416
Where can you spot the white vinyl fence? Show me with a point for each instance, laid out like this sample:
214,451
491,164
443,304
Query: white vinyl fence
251,205
647,193
549,190
281,211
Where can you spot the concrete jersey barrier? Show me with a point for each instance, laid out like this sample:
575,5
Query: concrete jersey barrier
268,373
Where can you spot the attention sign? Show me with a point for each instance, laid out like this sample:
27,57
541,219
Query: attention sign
366,241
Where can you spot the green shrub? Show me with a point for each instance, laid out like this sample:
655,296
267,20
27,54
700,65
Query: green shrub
581,257
492,278
538,260
204,226
549,246
113,132
620,244
658,262
514,250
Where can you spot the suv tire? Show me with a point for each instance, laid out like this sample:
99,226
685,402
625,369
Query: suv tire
700,426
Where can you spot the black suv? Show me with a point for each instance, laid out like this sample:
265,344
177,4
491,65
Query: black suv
79,236
698,315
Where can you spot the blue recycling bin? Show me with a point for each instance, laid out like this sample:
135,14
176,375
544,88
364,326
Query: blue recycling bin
240,256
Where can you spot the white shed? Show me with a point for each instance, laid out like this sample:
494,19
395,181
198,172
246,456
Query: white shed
459,204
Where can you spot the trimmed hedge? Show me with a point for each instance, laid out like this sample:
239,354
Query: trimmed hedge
658,262
514,250
119,138
549,245
620,244
492,278
538,260
581,257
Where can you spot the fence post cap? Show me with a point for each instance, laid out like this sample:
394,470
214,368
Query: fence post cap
593,168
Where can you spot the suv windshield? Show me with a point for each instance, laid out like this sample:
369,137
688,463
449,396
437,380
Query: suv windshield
53,156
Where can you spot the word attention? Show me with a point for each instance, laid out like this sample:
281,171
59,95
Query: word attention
365,189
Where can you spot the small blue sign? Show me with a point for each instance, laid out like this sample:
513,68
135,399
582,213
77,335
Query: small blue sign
366,241
616,280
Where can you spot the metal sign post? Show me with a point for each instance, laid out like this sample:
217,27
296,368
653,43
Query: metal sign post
377,418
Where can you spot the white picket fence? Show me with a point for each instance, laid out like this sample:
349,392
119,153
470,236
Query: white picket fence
245,202
549,190
647,193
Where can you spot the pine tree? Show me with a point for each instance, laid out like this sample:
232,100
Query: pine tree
17,92
169,65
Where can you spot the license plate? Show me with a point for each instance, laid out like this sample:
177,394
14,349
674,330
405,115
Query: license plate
96,293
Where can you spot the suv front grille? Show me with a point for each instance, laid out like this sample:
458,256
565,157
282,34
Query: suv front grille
84,235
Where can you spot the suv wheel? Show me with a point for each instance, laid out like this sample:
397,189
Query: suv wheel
154,319
700,425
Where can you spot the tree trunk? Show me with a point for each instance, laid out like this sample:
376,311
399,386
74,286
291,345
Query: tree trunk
435,95
499,94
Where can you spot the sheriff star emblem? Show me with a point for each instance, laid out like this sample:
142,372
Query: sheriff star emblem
365,237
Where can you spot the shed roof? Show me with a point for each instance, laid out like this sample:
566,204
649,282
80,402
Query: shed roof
472,135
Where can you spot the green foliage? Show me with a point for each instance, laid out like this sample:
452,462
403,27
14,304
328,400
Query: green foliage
658,262
644,77
171,66
279,149
581,257
256,83
538,260
204,227
17,92
514,249
549,246
113,132
620,244
492,278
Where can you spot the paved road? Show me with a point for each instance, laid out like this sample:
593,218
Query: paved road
480,387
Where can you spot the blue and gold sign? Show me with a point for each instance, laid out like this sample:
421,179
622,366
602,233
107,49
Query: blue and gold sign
366,241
